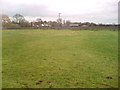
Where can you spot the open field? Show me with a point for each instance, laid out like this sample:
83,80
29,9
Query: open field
60,59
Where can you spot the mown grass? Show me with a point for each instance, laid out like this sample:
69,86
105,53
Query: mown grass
60,59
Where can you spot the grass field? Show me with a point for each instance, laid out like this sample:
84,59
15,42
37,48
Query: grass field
60,59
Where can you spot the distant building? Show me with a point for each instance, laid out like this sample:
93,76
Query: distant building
74,25
38,24
84,25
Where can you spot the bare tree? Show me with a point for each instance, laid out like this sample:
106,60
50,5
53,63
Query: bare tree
5,19
18,18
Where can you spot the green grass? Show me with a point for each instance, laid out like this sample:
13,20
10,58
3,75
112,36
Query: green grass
60,59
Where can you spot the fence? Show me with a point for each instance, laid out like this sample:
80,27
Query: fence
68,28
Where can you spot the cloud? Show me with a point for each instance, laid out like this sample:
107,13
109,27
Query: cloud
27,10
76,10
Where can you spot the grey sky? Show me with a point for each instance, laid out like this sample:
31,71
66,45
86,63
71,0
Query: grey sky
98,11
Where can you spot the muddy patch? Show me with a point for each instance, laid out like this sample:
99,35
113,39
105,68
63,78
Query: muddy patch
79,84
38,82
108,77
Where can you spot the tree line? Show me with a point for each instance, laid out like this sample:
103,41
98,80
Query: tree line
19,20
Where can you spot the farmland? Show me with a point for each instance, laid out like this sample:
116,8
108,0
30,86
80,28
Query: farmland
59,59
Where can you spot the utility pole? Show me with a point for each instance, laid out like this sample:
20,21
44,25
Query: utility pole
59,20
59,15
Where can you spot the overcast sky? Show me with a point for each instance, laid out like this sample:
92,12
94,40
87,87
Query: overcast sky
98,11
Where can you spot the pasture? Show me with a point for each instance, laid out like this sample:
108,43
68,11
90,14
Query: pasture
59,59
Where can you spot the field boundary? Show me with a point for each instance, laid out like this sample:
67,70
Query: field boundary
0,53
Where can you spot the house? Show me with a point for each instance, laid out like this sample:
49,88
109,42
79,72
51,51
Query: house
74,25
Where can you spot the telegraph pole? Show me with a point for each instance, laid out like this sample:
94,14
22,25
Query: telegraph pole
59,15
59,20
